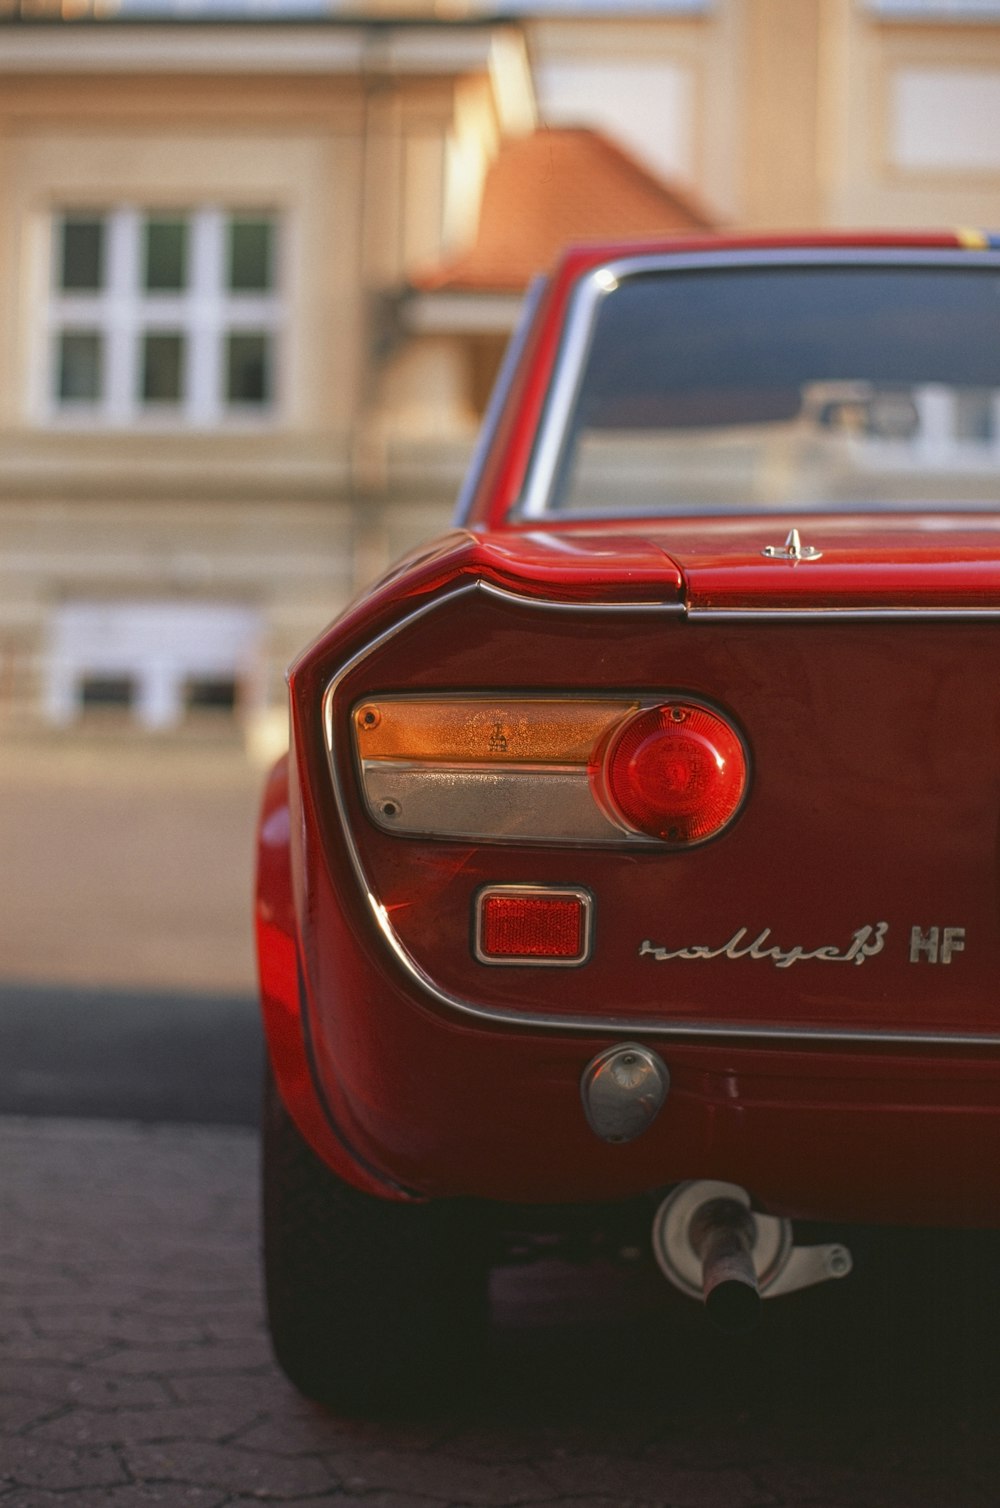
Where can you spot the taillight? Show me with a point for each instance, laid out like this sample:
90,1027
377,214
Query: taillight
548,770
675,772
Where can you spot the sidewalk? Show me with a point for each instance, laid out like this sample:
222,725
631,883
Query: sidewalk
128,865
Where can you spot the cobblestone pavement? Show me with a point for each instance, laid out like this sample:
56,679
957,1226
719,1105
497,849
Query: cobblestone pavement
134,1368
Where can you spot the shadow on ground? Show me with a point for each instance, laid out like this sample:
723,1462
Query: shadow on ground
130,1055
882,1389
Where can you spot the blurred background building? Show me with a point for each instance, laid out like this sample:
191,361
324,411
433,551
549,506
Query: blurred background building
259,259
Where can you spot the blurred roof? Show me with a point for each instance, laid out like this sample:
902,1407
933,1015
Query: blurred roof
250,11
553,187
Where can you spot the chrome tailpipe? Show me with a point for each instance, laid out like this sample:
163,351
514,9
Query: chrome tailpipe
712,1245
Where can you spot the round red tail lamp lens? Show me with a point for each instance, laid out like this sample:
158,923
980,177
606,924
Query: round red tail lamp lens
676,772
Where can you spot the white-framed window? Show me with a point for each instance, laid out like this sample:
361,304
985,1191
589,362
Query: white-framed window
937,10
163,315
158,661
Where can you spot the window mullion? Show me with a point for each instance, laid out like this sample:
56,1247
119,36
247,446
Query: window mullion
206,319
123,320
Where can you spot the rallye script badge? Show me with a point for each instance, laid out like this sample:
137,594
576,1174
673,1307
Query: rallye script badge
865,943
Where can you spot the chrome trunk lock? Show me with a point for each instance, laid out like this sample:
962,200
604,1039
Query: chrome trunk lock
711,1245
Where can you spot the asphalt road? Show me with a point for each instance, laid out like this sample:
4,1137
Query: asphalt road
129,1054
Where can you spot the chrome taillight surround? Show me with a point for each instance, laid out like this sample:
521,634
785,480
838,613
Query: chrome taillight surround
525,769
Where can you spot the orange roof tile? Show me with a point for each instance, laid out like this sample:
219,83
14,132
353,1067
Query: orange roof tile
554,187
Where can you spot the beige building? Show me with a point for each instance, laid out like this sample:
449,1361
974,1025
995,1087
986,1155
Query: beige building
256,272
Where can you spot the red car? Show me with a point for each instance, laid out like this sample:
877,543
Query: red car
635,864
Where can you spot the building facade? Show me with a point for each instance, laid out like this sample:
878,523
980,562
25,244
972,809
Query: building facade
252,290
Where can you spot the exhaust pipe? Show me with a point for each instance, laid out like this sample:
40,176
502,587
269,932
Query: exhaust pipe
722,1235
711,1245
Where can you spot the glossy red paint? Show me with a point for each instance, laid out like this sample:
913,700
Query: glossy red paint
281,992
453,1106
814,1059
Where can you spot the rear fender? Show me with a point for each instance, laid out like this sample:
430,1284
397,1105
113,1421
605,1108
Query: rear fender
281,992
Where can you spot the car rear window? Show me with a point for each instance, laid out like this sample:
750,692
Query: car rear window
748,389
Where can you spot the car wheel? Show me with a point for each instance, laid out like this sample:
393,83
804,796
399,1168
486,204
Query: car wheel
370,1302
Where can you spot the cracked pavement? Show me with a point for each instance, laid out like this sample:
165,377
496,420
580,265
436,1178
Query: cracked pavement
135,1368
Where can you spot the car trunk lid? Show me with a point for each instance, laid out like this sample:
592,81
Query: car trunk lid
780,564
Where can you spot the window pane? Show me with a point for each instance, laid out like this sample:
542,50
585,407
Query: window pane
81,260
166,254
251,254
163,368
81,354
248,368
975,411
107,691
211,694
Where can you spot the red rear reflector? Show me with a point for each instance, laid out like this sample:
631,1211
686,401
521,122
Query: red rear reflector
676,772
532,924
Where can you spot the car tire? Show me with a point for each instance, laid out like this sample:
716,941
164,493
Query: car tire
370,1302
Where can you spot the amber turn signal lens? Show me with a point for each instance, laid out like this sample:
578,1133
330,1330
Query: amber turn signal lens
677,772
501,730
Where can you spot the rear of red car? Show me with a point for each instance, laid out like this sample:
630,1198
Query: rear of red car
621,855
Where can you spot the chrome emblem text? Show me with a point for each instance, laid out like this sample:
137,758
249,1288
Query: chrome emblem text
865,943
936,944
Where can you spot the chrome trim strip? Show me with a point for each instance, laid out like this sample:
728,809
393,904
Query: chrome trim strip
844,614
498,402
580,324
589,1026
558,605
